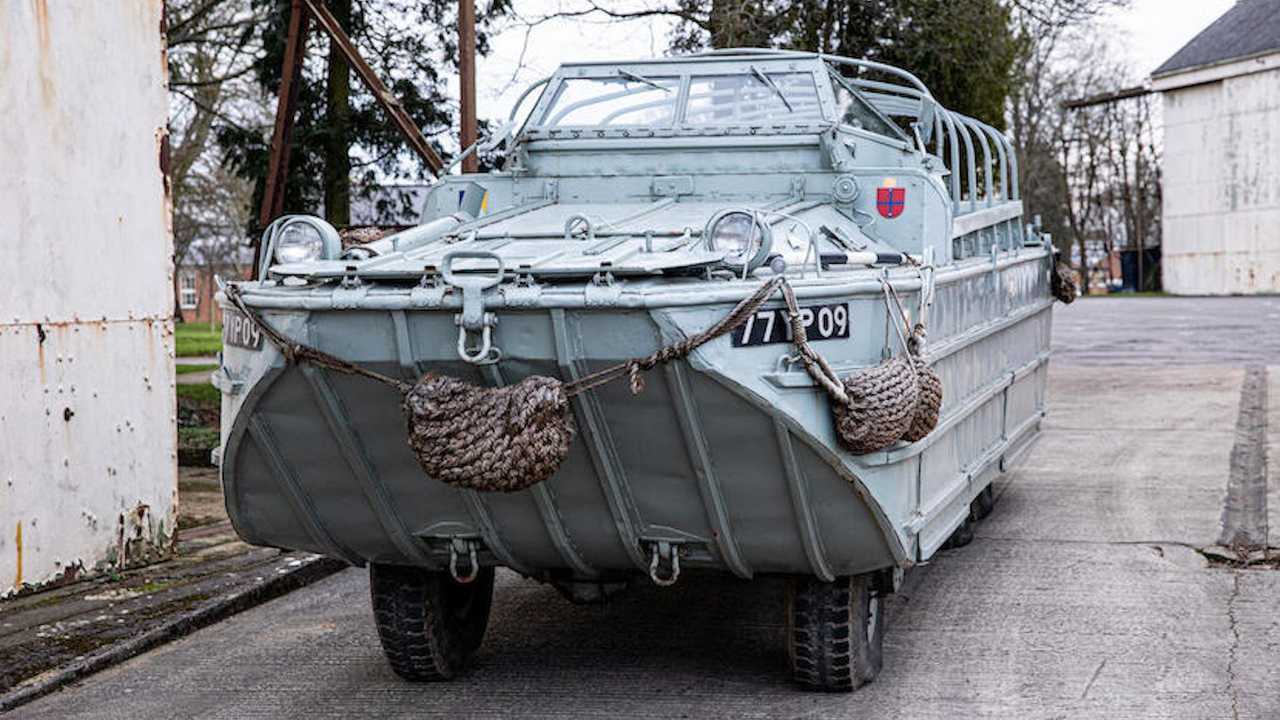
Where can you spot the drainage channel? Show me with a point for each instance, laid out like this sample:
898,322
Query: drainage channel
1244,537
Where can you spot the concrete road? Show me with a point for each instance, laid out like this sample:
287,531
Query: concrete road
1083,596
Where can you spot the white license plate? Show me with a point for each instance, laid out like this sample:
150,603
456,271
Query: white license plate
821,322
240,331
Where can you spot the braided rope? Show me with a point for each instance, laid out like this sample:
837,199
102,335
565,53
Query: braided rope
873,408
633,368
507,439
1062,283
298,352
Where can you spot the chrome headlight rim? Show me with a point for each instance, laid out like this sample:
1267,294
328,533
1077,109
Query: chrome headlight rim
330,245
748,259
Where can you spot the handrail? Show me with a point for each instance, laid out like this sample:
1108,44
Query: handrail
953,142
872,65
970,162
1001,145
971,126
828,57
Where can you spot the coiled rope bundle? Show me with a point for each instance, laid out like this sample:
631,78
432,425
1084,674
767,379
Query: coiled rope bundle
1062,283
873,408
510,438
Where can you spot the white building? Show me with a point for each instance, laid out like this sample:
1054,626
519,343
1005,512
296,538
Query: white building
87,428
1222,156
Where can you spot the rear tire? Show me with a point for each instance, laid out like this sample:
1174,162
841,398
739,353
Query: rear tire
429,624
835,632
961,536
983,504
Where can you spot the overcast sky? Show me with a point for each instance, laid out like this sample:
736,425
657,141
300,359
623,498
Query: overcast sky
1158,28
1150,31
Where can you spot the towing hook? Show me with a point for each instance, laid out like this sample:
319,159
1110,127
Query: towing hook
474,318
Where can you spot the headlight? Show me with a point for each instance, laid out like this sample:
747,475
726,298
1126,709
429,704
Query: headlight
299,241
744,237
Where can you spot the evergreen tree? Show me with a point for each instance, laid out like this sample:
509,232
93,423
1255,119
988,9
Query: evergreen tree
340,133
964,50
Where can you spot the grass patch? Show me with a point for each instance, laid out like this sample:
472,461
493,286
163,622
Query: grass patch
200,393
198,437
197,339
201,367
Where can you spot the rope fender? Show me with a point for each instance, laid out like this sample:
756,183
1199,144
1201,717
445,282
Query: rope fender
511,438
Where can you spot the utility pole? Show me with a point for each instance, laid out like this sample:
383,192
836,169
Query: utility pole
467,80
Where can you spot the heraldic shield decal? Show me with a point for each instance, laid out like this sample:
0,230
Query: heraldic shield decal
891,201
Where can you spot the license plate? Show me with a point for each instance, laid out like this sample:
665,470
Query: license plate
239,331
821,322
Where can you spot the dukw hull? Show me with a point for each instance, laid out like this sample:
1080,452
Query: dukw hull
729,455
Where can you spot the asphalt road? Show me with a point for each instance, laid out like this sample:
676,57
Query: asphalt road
1083,596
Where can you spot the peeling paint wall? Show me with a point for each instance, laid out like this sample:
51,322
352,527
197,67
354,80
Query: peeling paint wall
87,425
1222,183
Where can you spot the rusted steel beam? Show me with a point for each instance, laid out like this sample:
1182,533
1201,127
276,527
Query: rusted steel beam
1107,97
380,92
278,163
467,80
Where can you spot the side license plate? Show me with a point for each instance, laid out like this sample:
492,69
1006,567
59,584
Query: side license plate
237,330
821,322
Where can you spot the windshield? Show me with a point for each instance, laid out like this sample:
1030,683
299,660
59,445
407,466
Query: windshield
614,101
856,112
724,99
630,99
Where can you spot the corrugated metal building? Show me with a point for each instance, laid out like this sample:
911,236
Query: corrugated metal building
87,415
1222,156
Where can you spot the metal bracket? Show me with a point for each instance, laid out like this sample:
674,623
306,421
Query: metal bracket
346,297
473,318
223,380
573,222
350,279
666,552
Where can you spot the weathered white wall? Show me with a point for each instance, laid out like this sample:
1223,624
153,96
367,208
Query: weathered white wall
87,426
1222,186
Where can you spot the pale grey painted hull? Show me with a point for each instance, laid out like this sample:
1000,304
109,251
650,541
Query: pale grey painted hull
730,453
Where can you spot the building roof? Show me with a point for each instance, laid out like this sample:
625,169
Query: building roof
388,205
1250,28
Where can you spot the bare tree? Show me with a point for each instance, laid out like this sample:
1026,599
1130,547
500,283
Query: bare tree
1054,37
1109,158
212,52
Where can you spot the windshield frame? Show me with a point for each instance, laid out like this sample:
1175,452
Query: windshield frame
684,71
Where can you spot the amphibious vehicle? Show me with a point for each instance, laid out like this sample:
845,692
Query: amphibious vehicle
636,203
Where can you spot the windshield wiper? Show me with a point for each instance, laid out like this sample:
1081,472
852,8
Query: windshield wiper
642,79
772,86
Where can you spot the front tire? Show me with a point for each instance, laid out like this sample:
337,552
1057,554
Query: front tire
835,632
429,624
